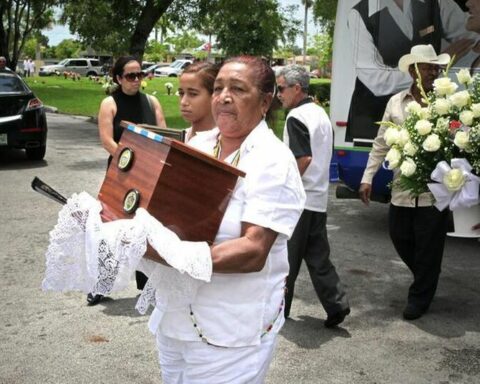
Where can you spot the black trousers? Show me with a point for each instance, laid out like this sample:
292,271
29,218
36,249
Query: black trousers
309,242
418,235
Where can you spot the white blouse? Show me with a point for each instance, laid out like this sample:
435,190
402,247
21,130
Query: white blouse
234,310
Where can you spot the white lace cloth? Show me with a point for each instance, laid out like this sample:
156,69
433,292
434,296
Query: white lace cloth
88,255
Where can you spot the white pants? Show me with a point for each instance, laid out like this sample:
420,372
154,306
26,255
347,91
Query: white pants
195,362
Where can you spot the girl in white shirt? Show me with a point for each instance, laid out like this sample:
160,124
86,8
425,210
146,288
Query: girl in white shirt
195,91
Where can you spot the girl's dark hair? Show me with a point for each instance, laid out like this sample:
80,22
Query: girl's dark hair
117,69
206,71
264,78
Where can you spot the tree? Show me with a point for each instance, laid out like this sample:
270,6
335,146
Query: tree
184,41
243,26
324,12
118,26
307,4
291,26
322,48
20,19
68,48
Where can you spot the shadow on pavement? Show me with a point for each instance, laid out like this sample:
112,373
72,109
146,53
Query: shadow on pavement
12,159
300,332
120,307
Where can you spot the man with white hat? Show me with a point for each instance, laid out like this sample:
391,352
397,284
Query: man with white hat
417,228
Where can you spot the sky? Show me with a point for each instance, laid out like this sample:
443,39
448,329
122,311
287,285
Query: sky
61,32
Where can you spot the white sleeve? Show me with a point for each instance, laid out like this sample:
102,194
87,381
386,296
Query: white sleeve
370,68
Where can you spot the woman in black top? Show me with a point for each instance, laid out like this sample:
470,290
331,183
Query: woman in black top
126,103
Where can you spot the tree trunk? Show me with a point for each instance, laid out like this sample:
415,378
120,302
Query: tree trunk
154,9
305,23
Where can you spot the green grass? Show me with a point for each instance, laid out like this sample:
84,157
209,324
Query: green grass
83,97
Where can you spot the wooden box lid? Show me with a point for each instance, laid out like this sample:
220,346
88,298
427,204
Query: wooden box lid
185,189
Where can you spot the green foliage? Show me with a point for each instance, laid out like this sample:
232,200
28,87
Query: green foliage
155,51
68,48
29,47
324,12
320,90
21,19
184,41
322,47
242,26
118,26
292,27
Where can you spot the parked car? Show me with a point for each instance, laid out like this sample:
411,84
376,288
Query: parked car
174,69
150,69
82,66
22,117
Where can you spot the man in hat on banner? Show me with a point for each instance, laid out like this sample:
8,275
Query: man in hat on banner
417,228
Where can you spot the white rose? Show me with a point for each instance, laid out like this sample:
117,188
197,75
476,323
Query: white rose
476,109
454,180
410,149
391,136
460,99
461,139
393,157
408,167
403,137
424,127
442,124
413,107
425,114
444,86
441,106
431,143
464,77
466,117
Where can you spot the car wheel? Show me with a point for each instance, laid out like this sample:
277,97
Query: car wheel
91,74
172,75
37,153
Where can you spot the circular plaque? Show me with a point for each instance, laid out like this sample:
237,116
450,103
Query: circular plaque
125,159
131,201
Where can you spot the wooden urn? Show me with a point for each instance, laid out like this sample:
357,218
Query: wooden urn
185,189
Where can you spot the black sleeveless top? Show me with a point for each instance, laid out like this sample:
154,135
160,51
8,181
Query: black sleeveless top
135,109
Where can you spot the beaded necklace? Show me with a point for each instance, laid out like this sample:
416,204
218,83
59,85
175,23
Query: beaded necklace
217,151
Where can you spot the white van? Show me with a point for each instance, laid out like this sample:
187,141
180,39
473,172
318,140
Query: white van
370,36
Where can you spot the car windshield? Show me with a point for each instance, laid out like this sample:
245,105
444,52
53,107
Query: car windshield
12,84
176,64
63,62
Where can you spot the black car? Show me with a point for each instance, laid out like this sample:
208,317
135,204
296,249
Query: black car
22,117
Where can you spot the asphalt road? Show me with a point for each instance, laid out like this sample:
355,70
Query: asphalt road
56,338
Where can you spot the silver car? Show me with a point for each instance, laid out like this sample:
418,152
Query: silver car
82,66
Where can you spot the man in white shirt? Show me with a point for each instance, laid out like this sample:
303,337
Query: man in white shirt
26,67
308,133
417,228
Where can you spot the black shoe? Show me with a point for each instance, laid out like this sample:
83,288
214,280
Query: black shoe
94,299
412,312
336,318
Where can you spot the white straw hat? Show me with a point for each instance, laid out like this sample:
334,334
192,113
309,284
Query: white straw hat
422,54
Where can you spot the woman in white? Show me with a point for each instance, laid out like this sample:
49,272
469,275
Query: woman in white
227,334
195,91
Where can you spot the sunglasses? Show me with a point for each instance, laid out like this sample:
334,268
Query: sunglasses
132,76
282,88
